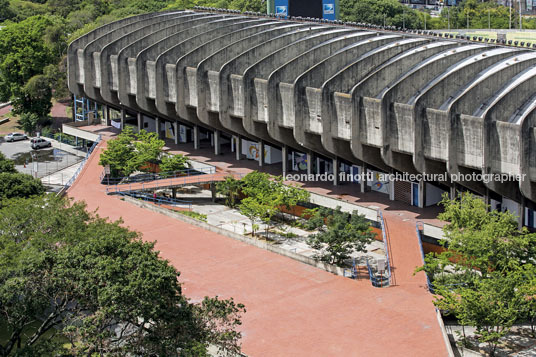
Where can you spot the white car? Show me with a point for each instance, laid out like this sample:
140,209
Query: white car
15,137
38,143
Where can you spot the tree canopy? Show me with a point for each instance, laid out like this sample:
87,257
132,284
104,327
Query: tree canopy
486,276
74,284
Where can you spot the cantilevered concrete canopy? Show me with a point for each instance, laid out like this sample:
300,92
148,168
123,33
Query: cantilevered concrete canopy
390,99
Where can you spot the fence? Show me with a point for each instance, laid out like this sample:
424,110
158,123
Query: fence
381,280
82,164
419,227
158,200
155,176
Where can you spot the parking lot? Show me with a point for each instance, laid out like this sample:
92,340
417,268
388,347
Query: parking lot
43,162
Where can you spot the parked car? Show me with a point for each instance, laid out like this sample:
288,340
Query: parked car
38,143
15,137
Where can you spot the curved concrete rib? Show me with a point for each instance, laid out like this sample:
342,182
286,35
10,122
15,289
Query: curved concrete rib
208,77
75,65
91,52
165,49
232,91
109,64
372,85
307,93
186,65
255,81
127,57
337,101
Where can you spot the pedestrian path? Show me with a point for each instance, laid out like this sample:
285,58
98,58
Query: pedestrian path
292,309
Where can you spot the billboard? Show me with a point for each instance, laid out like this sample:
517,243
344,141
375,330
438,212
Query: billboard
281,8
329,10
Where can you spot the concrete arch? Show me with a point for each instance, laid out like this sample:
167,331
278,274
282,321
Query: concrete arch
255,78
373,84
208,88
91,52
186,66
232,91
337,101
307,92
109,66
170,47
74,66
126,58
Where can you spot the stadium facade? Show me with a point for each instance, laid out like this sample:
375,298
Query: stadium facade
325,98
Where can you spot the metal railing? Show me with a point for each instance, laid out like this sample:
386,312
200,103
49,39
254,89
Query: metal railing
144,177
351,272
170,182
419,227
158,200
382,280
82,164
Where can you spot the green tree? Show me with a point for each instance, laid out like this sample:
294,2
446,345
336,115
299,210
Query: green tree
231,189
19,185
172,163
73,284
23,54
6,165
131,152
392,12
6,12
343,235
35,98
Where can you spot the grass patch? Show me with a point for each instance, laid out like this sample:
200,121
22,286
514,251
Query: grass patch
199,216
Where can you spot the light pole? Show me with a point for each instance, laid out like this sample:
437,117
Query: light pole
520,18
510,17
448,17
489,19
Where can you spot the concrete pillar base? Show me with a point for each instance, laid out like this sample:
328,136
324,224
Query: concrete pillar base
217,142
176,131
238,147
309,163
335,172
123,116
284,155
261,153
140,121
196,137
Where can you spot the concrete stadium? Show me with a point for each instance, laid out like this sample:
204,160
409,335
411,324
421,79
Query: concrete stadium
323,98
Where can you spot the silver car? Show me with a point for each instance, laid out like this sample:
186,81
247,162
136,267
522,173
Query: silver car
15,137
38,143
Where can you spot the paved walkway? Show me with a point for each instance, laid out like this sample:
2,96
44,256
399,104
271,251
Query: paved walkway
292,309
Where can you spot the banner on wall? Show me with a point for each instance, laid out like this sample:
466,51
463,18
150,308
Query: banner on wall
299,161
529,5
379,182
169,129
182,134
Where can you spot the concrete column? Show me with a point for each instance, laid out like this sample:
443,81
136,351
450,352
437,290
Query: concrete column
261,153
140,121
284,155
392,189
452,191
422,193
123,116
336,172
106,111
521,211
176,131
309,163
196,137
238,147
363,182
217,142
157,124
173,192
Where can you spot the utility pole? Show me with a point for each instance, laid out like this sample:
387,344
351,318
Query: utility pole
448,16
424,21
520,18
510,18
384,15
468,20
404,18
489,19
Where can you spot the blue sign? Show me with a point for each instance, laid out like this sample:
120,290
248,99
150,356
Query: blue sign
328,10
281,11
281,8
